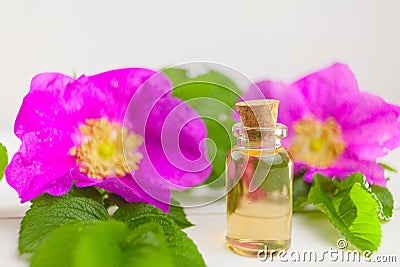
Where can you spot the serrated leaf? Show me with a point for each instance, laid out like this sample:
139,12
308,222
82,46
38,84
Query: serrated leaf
300,192
177,213
146,246
213,95
137,209
40,221
352,210
388,168
351,180
3,160
86,192
184,251
385,200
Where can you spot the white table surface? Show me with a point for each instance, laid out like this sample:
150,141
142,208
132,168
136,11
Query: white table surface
311,230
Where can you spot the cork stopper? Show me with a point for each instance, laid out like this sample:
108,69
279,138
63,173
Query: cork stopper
258,113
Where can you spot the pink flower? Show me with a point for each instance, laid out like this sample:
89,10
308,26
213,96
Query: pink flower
334,129
118,130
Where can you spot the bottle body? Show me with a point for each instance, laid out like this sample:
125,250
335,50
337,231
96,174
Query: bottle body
259,199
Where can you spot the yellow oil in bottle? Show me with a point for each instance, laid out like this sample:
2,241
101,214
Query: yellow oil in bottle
259,200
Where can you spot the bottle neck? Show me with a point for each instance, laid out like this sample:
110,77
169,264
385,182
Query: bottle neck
259,138
269,144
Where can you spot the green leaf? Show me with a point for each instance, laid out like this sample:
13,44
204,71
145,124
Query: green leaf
385,200
300,192
388,168
58,248
351,209
41,220
86,192
177,213
184,251
3,160
147,247
137,209
103,243
213,96
350,180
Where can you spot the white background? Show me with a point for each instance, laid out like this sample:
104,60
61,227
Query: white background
263,39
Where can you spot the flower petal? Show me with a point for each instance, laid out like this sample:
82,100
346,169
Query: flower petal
143,101
371,127
174,153
57,104
59,101
41,106
41,165
347,165
121,85
174,143
322,89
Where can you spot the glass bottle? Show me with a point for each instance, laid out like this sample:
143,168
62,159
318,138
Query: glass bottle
259,178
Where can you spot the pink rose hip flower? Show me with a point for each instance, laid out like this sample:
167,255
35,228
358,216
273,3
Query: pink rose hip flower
110,130
334,129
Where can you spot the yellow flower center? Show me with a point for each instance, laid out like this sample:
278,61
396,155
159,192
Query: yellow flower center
103,152
316,143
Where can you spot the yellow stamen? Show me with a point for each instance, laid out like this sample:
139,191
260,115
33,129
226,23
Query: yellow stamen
317,143
101,154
